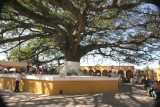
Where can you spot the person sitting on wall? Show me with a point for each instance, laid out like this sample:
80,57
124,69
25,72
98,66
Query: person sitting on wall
18,79
156,92
152,88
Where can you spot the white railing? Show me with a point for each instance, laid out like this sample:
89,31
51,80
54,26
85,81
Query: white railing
58,78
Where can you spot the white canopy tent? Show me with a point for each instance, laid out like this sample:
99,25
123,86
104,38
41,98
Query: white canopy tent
6,64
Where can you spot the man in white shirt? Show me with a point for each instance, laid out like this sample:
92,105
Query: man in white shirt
18,79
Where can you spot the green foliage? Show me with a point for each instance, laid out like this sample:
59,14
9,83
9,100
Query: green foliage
45,30
28,52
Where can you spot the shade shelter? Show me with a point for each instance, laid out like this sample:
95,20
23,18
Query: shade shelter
12,64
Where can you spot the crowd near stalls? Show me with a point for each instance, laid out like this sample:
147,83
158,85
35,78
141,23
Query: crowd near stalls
9,69
152,87
15,67
124,72
124,75
36,70
127,73
11,66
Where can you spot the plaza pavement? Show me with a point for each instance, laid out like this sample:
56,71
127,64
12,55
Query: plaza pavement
127,96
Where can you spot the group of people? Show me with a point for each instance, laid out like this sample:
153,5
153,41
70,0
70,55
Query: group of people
36,70
153,88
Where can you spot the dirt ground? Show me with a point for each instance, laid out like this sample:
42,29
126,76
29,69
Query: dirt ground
127,96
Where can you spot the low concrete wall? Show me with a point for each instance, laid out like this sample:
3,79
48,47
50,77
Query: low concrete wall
54,85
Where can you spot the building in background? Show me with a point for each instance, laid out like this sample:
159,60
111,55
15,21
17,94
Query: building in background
126,71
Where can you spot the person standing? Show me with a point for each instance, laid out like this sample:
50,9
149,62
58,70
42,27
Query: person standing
1,69
113,73
28,67
18,79
30,70
37,70
156,92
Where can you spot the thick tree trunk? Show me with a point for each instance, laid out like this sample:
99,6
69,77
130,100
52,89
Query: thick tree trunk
71,67
73,54
71,64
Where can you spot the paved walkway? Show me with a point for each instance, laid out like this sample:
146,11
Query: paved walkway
127,96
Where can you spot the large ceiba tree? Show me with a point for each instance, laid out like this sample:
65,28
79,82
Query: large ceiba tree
70,29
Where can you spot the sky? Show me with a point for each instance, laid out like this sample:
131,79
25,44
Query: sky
2,56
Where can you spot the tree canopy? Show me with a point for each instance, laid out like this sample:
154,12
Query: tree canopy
48,30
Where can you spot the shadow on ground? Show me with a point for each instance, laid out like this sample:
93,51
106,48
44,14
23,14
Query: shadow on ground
127,96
